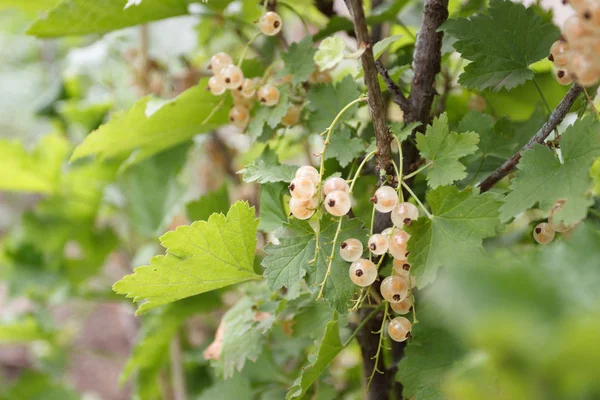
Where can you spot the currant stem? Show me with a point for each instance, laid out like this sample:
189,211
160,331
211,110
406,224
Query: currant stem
423,167
243,55
380,345
409,190
399,173
213,111
363,323
333,248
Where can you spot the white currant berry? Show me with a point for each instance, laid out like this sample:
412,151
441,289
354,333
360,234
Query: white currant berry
216,86
394,289
404,306
220,61
334,183
589,12
584,69
574,30
291,116
239,116
385,199
248,88
543,233
268,95
309,172
302,188
303,209
563,77
404,214
363,272
351,249
232,76
387,232
559,53
270,23
399,243
399,329
338,203
378,244
401,268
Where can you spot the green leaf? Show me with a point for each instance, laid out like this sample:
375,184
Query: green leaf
326,101
428,357
82,17
31,6
329,348
344,148
148,132
501,44
330,52
403,131
238,388
272,213
268,169
36,386
37,171
200,257
299,61
595,174
23,331
213,202
270,116
287,262
541,177
444,149
461,220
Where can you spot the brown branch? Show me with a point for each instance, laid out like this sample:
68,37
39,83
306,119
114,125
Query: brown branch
555,118
397,95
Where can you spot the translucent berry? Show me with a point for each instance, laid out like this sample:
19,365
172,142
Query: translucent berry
399,329
309,172
404,214
268,95
404,306
216,86
232,76
335,183
302,188
320,77
401,268
385,199
363,272
563,77
220,61
574,30
337,203
270,23
394,289
589,13
239,116
387,232
248,88
291,116
378,244
351,249
399,243
584,69
543,233
303,209
559,53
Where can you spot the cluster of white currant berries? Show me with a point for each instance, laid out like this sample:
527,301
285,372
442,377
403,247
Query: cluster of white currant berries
396,289
544,232
576,55
304,191
227,76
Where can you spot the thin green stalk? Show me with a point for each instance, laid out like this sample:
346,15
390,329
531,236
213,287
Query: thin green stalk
292,9
379,346
243,55
363,323
423,167
548,110
331,256
400,170
409,190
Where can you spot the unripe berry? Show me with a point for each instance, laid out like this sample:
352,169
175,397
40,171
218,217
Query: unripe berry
248,88
363,272
337,203
270,23
335,183
559,53
399,329
220,61
563,77
385,199
404,306
239,116
302,188
394,289
216,86
268,95
351,249
291,116
320,77
303,209
232,76
404,214
309,172
543,233
378,244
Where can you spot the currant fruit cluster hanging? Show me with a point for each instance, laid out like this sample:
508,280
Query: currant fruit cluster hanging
576,55
545,232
